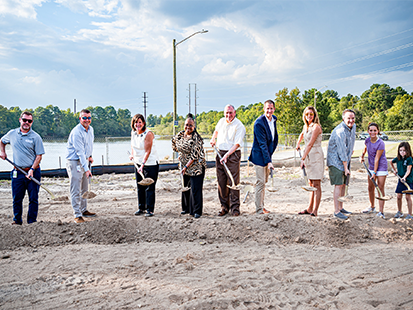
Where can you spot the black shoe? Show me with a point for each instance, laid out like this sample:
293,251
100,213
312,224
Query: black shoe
184,212
139,212
148,214
197,216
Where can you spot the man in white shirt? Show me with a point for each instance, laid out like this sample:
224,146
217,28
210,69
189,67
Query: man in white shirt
228,137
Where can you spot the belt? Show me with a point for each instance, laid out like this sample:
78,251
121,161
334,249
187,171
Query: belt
28,168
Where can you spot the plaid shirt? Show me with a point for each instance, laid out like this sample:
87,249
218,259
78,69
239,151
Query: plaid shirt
341,145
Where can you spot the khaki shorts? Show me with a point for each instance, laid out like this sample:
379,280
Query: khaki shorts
337,176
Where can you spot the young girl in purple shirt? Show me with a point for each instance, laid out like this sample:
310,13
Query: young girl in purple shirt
375,148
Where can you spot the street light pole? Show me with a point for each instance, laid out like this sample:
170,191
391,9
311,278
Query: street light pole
174,45
315,96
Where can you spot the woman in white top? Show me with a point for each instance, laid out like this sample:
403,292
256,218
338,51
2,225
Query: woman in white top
145,155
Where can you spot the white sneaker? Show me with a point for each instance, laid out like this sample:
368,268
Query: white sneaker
398,215
381,215
369,210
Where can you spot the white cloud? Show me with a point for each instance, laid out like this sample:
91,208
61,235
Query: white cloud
20,8
31,80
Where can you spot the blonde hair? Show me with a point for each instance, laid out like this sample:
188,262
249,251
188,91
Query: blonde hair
316,119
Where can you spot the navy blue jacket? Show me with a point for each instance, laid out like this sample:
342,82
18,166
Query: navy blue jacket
263,146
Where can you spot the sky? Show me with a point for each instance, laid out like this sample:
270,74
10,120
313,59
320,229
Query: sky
109,52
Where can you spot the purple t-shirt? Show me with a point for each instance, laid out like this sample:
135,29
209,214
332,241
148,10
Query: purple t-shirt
372,149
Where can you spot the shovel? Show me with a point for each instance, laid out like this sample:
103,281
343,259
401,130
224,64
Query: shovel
380,197
307,187
247,189
233,186
89,194
145,181
346,197
61,198
184,188
409,190
272,189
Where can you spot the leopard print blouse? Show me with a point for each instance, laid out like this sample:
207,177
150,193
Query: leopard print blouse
188,149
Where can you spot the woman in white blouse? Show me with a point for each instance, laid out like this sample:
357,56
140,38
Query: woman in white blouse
145,155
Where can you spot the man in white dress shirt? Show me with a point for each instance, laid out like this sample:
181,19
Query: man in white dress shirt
228,137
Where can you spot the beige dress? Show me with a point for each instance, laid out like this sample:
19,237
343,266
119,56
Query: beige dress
314,162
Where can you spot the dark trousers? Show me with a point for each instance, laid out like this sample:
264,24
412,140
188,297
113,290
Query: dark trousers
19,186
229,198
192,201
146,194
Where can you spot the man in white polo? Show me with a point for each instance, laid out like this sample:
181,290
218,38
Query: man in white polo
79,155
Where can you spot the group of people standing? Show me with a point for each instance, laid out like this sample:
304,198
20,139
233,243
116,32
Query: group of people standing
227,139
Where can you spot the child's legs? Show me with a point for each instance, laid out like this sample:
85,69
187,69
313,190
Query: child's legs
399,202
409,203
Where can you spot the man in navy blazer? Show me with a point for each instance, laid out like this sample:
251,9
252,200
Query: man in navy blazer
264,145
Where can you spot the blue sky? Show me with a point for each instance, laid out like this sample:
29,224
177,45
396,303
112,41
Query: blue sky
108,52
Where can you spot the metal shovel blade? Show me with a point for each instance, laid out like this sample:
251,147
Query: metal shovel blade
247,189
272,189
307,188
380,196
183,187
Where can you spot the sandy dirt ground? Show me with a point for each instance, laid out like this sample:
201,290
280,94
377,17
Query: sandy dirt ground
171,261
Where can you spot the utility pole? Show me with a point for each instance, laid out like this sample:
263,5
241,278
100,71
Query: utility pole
189,97
144,104
195,105
74,105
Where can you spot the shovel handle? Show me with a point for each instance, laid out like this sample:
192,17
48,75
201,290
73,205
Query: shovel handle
24,172
226,167
405,183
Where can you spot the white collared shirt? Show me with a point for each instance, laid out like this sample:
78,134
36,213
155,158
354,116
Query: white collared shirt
272,127
230,134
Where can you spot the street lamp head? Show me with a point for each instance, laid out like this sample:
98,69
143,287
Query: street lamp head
204,31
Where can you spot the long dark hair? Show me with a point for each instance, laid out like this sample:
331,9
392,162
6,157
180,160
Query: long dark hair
406,146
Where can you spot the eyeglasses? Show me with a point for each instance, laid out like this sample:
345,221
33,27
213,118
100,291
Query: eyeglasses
25,120
86,117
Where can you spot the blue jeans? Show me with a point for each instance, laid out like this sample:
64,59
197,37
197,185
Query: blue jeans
19,186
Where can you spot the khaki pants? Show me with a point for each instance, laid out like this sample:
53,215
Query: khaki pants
262,178
78,185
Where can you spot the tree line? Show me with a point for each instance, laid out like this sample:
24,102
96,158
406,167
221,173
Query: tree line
391,108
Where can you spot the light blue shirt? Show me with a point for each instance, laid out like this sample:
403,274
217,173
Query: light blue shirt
341,145
25,146
80,145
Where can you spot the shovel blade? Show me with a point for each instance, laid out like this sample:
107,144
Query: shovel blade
234,187
309,188
385,198
345,198
89,195
146,182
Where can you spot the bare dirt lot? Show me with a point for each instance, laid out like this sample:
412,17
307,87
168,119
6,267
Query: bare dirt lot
171,261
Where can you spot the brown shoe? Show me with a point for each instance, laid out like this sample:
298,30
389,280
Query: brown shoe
88,214
235,213
223,212
264,211
79,220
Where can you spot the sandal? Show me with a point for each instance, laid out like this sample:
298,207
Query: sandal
304,212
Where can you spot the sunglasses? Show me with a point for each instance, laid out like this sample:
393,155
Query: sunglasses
86,117
25,120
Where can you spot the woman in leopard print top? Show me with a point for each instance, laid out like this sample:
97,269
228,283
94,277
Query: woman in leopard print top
189,144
